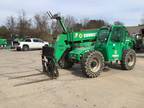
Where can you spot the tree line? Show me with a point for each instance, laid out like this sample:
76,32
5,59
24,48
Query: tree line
41,26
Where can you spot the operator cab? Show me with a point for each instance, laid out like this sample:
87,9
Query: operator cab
110,41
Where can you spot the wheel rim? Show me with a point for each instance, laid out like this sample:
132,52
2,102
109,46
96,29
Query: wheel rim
130,60
94,65
25,48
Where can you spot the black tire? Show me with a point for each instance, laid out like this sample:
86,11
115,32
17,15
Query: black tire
92,64
18,49
49,67
25,48
128,60
65,64
52,69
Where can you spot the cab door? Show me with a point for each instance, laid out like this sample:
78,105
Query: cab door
115,44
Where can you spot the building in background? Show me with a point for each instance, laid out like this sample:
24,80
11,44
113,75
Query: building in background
135,29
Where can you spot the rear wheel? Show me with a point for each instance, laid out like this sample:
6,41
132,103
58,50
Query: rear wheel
92,64
129,60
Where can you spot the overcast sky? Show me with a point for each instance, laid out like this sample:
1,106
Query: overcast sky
129,12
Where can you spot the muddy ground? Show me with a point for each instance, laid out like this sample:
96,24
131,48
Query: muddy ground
23,85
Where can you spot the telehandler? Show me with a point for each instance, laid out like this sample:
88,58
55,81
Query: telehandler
91,48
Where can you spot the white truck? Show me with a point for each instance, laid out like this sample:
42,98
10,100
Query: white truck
30,43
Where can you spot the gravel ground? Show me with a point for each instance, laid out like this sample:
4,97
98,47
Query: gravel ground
23,85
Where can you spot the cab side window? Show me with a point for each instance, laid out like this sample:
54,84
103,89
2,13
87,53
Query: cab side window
103,35
117,35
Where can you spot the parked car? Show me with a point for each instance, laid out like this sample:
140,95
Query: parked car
30,43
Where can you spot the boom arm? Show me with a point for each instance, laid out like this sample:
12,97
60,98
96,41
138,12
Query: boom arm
59,19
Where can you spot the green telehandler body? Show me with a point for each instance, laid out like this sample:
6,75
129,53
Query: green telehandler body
91,48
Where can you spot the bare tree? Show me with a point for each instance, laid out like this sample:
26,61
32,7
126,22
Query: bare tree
55,27
84,22
4,32
40,26
77,27
92,24
11,24
23,24
41,22
70,22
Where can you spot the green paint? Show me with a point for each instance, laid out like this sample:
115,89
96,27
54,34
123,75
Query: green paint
110,41
3,41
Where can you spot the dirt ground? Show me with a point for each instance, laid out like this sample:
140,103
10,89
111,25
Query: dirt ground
23,85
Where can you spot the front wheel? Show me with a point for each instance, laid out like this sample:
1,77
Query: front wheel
92,64
49,67
128,60
25,48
